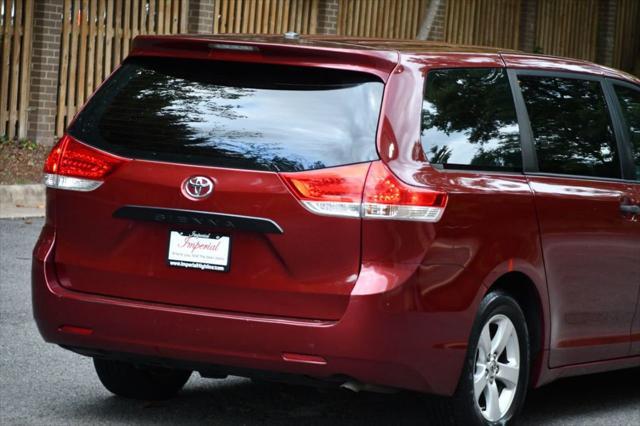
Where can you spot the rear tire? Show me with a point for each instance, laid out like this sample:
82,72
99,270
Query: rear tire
140,382
495,377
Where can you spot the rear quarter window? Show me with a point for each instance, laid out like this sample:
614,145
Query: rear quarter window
248,116
469,120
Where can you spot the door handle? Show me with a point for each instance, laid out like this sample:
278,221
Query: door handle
630,209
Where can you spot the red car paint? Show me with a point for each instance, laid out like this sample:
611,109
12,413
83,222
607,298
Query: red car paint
380,301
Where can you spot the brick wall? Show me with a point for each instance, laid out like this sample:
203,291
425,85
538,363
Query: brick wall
45,61
528,17
437,30
607,11
201,16
328,17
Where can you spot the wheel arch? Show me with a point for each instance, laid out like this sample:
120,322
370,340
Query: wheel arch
534,302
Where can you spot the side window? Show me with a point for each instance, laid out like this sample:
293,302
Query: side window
630,104
469,120
571,126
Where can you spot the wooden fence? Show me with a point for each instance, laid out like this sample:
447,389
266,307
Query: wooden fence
567,28
96,36
564,27
16,23
381,18
627,39
265,16
483,22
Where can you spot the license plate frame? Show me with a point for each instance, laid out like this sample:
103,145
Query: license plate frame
205,251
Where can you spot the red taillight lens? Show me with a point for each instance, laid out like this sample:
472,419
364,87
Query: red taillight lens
73,165
384,188
53,160
368,190
342,184
386,197
336,191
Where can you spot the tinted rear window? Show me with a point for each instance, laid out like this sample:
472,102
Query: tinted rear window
250,116
469,120
571,126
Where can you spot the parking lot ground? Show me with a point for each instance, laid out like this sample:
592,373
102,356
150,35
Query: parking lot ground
42,384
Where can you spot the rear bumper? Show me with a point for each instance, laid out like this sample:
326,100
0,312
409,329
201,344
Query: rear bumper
374,342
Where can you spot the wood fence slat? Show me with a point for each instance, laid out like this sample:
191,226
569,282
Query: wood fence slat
151,18
108,43
168,7
216,16
25,69
126,30
100,75
175,14
135,18
14,72
160,17
73,59
91,48
117,41
6,64
183,27
64,66
246,16
82,53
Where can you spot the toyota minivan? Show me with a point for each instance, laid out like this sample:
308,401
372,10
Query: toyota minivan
374,214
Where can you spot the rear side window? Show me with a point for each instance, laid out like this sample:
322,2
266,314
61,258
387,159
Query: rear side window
571,126
250,116
469,120
630,103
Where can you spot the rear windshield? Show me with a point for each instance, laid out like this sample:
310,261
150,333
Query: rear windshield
249,116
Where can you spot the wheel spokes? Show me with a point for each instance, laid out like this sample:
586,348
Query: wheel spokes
508,374
484,344
479,382
501,338
492,398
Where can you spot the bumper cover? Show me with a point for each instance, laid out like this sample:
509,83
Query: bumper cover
373,342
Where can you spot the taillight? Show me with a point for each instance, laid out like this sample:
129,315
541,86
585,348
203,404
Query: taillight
75,166
334,192
367,190
386,197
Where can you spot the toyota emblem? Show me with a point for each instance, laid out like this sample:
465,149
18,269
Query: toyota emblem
197,187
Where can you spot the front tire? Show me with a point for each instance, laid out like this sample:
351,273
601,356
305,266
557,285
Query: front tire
139,382
495,377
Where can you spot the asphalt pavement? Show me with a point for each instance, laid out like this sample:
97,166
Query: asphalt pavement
42,384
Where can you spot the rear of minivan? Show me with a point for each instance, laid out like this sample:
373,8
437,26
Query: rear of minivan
206,207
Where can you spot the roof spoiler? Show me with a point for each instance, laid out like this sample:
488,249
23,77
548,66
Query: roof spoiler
379,63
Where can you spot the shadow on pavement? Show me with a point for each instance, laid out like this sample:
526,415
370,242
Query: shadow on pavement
610,398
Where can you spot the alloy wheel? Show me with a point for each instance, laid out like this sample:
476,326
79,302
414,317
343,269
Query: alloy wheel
497,368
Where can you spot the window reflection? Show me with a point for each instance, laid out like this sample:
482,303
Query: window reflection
236,115
469,120
571,126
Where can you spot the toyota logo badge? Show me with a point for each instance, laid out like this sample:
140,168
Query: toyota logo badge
197,187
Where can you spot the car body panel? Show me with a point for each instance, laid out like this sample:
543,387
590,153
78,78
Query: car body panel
592,296
397,314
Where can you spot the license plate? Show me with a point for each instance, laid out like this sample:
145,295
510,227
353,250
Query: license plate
199,250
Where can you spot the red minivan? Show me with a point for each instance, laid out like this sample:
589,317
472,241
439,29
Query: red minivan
375,214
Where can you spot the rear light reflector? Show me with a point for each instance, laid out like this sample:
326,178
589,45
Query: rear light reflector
72,329
334,192
367,190
386,197
75,166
